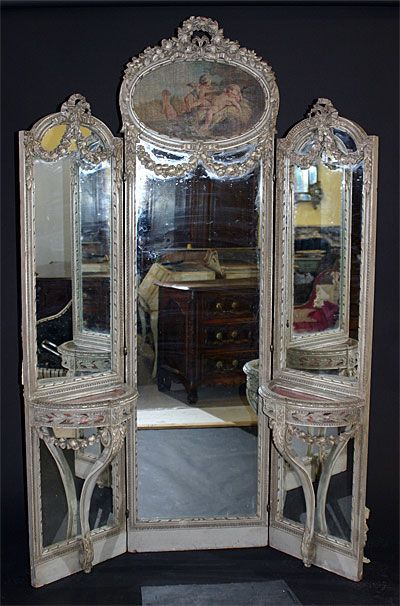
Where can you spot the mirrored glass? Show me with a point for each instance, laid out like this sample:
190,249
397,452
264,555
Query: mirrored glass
318,219
73,248
326,269
93,223
53,242
197,268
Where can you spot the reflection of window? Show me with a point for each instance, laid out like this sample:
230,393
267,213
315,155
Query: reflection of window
307,186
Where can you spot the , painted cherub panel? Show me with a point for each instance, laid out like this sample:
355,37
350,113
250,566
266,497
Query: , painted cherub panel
199,100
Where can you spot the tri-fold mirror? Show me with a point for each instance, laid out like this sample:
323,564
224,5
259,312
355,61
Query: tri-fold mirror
184,301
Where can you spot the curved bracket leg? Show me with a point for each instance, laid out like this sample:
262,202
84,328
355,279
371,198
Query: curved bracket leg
325,478
112,439
67,478
282,443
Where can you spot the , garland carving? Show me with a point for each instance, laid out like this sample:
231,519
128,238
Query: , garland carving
72,443
74,114
200,156
318,439
191,43
322,120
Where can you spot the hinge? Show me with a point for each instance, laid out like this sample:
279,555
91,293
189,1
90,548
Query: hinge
271,347
124,177
125,350
127,513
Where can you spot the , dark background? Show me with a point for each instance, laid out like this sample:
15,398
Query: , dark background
346,52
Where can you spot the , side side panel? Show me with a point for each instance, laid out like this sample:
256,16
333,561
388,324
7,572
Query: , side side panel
318,400
76,404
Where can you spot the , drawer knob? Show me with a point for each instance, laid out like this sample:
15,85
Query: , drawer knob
219,336
234,334
219,364
235,363
219,306
234,305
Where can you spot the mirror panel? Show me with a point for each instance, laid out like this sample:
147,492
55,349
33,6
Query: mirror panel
198,472
198,307
77,402
95,204
326,281
199,116
53,263
318,253
73,251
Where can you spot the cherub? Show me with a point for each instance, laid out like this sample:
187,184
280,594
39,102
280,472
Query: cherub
167,108
231,97
197,98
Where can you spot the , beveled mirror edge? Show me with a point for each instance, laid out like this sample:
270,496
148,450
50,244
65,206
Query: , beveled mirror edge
75,113
138,144
322,119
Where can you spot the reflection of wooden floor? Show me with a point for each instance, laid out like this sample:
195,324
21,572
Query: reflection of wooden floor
167,410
